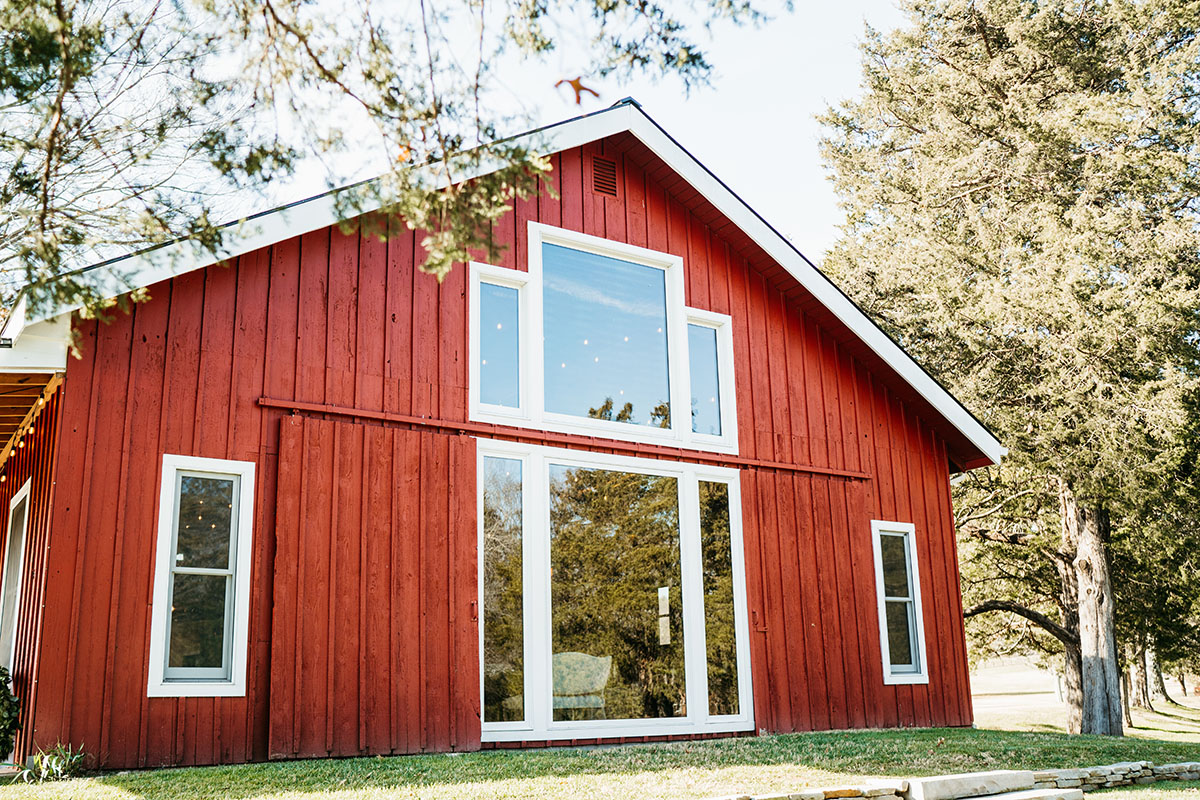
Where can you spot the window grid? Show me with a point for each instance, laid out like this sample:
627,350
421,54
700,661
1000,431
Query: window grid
228,680
915,671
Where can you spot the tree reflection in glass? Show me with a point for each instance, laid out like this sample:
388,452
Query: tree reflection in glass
719,631
614,543
503,623
202,586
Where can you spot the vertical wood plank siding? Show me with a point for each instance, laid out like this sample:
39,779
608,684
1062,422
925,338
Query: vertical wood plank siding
35,463
343,612
332,317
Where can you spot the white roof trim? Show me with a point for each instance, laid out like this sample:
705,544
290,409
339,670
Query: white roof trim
145,269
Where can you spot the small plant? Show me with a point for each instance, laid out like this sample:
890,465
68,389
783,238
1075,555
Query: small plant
59,762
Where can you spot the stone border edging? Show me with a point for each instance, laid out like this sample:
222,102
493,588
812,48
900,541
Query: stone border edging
1087,779
1124,773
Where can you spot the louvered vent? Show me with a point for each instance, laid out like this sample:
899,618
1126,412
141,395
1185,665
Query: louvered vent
604,176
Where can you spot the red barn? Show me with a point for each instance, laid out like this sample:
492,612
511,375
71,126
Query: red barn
650,476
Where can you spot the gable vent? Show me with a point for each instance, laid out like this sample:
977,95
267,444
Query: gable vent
604,176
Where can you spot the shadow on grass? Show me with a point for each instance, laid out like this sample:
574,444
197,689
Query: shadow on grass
479,775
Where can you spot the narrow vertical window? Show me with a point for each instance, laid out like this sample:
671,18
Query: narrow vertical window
706,385
503,626
10,591
499,345
720,633
898,590
202,581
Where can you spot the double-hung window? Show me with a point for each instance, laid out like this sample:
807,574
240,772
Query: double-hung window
613,596
594,338
202,578
898,591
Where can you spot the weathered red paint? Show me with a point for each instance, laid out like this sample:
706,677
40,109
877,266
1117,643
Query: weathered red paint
362,634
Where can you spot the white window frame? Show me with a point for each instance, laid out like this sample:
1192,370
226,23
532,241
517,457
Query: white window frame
532,412
159,684
908,531
539,724
21,495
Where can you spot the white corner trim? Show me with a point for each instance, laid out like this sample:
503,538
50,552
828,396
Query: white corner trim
909,531
144,269
157,684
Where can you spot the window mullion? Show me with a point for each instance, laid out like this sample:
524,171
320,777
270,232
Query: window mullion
695,652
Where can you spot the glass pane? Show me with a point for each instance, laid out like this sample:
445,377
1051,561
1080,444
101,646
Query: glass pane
205,522
499,345
706,391
198,621
899,633
12,576
893,551
616,610
718,598
606,340
503,632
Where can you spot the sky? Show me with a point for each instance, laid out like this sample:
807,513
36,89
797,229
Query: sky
754,126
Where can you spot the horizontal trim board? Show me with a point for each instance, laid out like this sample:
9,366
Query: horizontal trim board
569,441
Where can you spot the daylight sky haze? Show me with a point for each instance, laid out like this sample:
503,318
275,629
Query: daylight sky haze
754,126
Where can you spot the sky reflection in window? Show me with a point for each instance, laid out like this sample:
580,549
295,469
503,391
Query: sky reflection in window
605,338
706,393
499,345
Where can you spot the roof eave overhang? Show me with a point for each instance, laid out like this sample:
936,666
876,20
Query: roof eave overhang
150,267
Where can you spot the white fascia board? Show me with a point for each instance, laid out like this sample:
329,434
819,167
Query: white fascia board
811,279
38,346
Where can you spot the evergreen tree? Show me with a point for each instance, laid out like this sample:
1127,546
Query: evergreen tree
1020,180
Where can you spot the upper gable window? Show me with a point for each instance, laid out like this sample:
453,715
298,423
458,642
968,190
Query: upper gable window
595,339
605,325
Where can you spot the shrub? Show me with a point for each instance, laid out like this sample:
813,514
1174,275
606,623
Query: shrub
59,762
10,712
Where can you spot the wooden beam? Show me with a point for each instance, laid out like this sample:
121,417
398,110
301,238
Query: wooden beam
39,402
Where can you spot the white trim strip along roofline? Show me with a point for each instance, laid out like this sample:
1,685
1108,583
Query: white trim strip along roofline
145,269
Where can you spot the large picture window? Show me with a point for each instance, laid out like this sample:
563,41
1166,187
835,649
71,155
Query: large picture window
898,591
202,578
613,596
594,338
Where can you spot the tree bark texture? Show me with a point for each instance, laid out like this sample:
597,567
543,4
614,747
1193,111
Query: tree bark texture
1086,526
1139,696
1158,685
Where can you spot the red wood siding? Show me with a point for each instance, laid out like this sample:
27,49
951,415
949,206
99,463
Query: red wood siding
374,643
35,463
331,321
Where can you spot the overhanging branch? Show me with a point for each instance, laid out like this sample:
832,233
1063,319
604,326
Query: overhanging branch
1058,631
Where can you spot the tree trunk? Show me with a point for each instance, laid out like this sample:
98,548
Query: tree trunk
1126,690
1087,526
1159,684
1068,602
1140,695
1182,684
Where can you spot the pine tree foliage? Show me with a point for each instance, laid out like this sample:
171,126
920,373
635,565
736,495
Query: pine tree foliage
1021,183
128,123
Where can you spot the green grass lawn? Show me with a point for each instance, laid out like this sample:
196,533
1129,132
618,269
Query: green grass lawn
1163,791
678,770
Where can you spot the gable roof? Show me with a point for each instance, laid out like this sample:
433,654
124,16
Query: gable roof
35,336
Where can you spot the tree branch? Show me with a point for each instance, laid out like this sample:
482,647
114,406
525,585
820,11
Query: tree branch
1058,631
